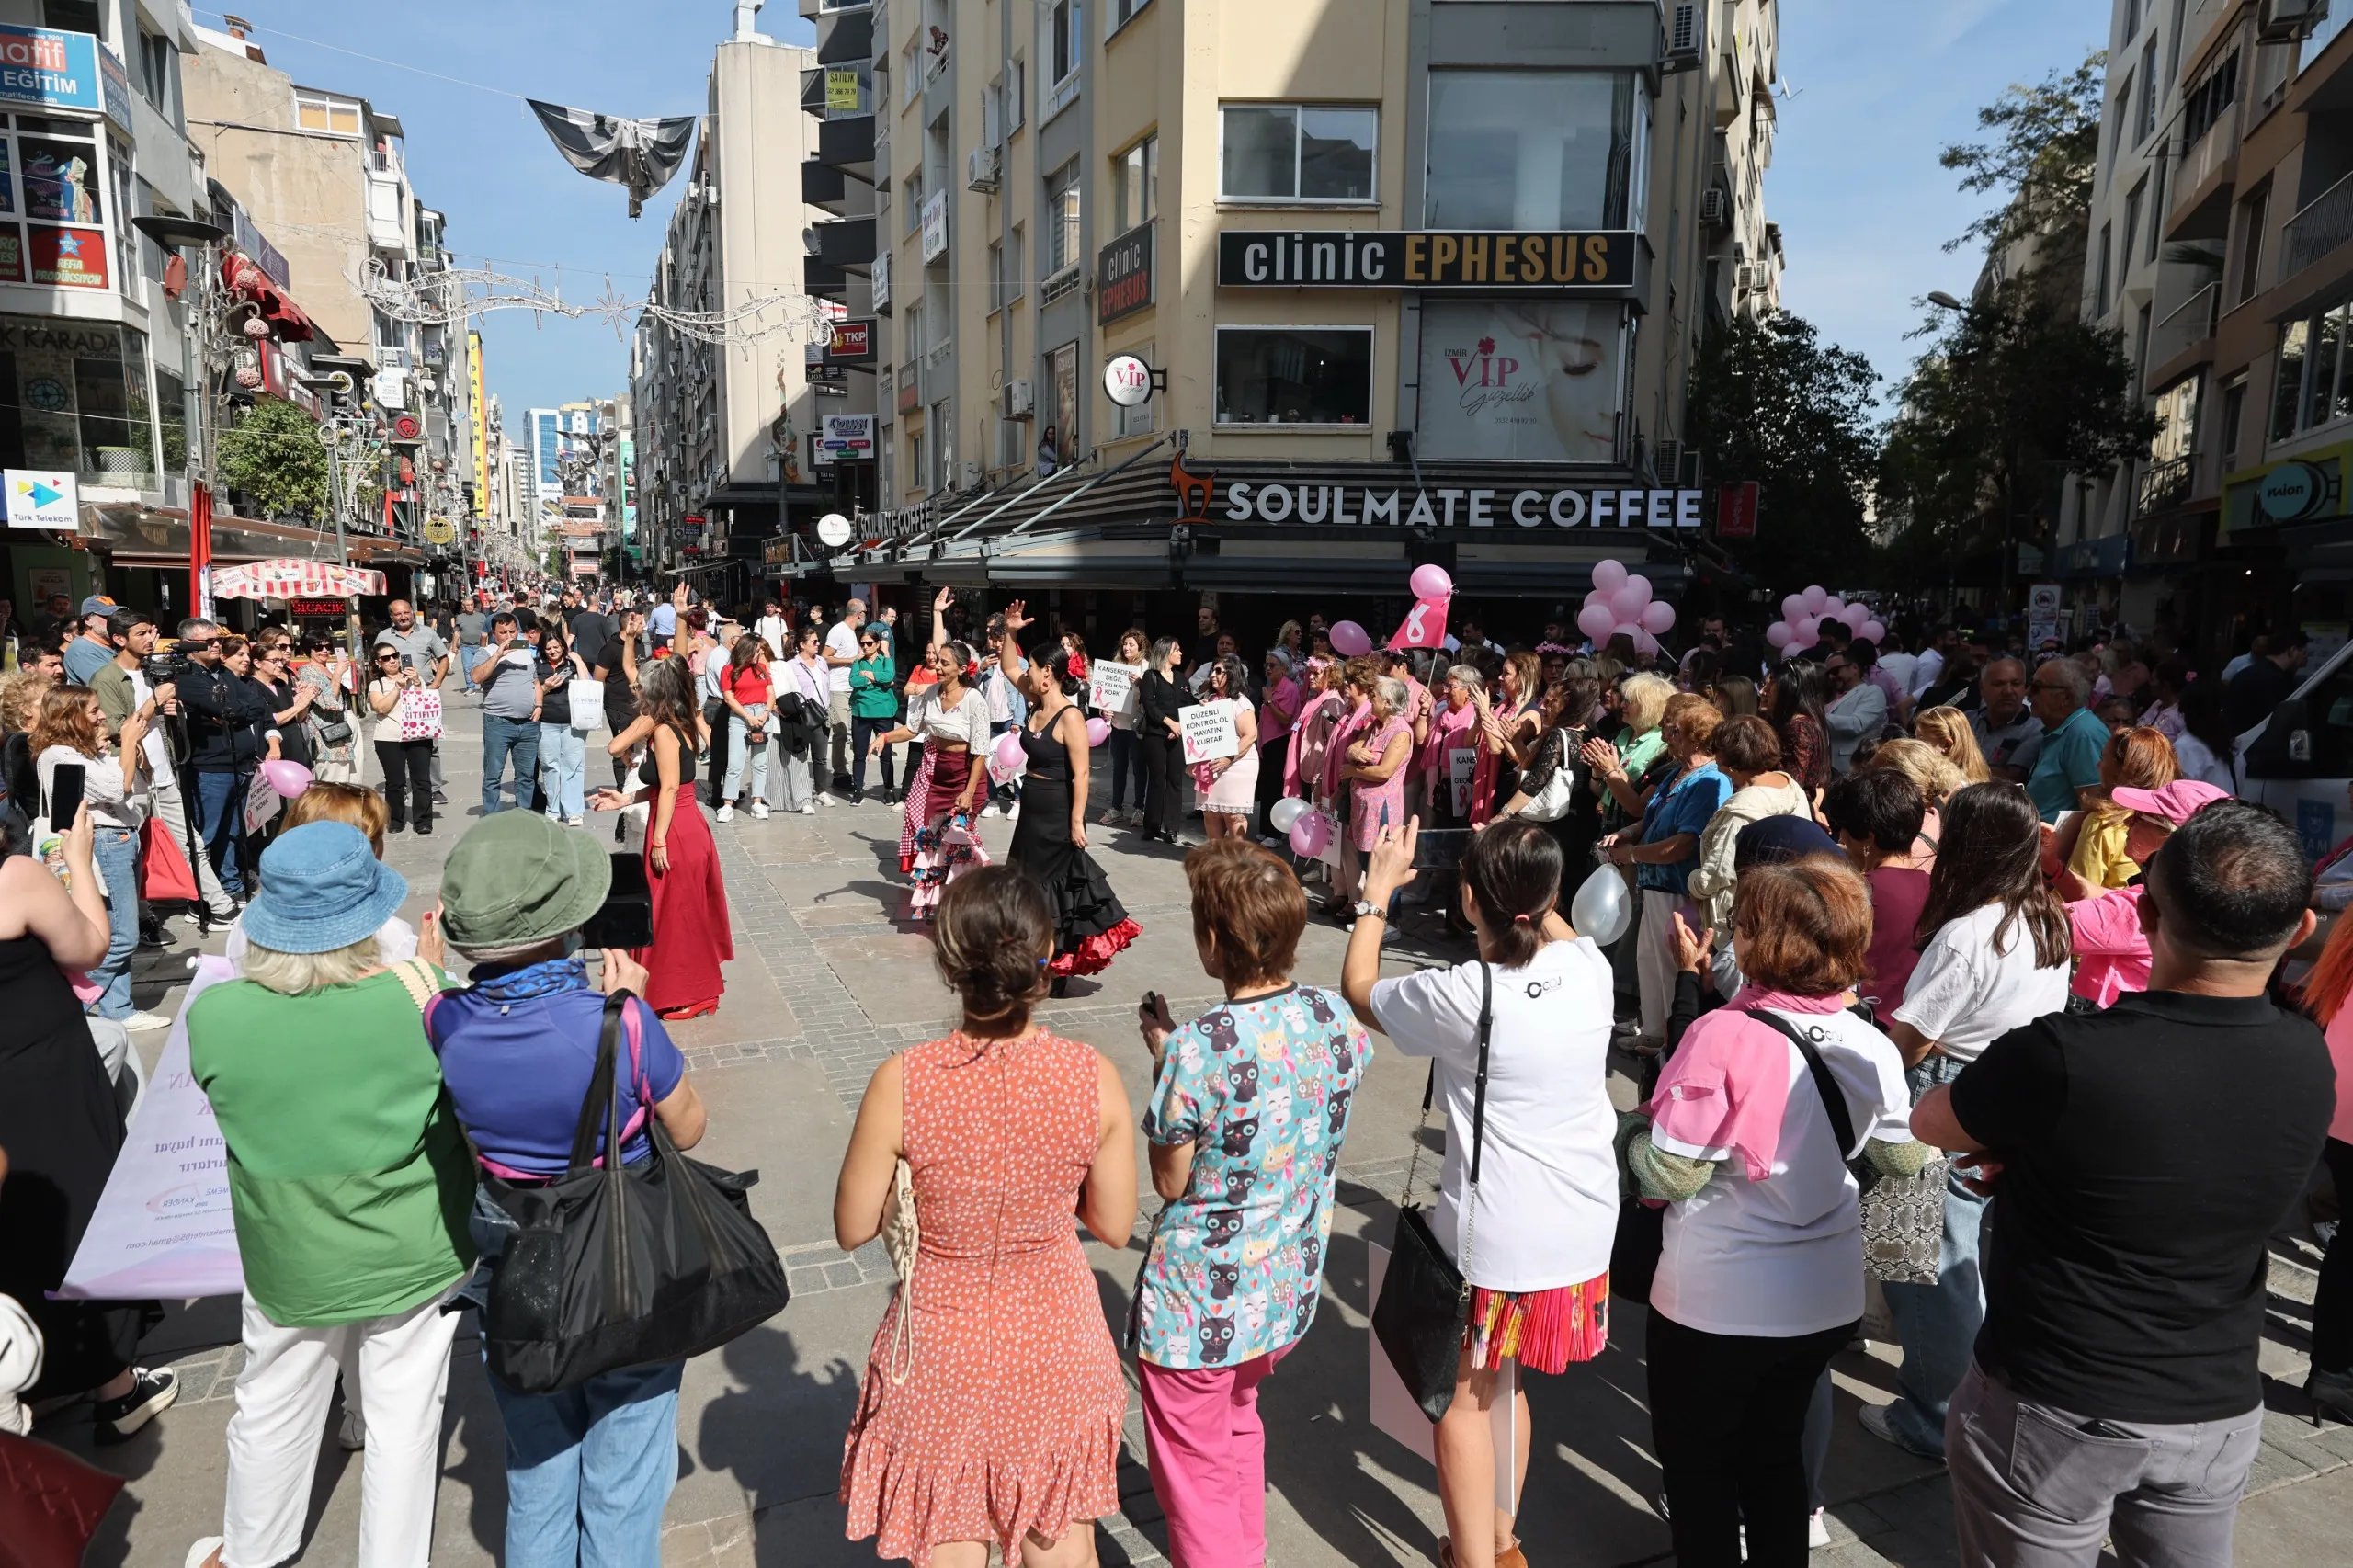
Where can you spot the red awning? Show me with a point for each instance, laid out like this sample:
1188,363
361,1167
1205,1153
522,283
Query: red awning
247,281
287,578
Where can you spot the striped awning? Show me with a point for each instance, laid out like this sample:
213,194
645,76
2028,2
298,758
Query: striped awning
288,578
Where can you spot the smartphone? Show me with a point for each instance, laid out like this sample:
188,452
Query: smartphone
626,918
65,795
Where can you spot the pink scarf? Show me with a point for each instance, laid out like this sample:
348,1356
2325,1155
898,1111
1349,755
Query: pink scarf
1335,750
1727,1085
1310,737
1277,709
1445,726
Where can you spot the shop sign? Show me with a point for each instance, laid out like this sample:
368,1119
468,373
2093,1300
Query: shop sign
314,607
69,258
1374,505
1736,511
881,278
57,69
43,498
1387,259
12,255
847,437
1123,280
852,342
1521,380
114,86
935,226
2292,492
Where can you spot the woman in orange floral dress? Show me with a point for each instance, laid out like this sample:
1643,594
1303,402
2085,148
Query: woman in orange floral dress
993,1414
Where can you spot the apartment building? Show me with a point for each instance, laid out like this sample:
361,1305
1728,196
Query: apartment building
2222,247
1423,280
726,426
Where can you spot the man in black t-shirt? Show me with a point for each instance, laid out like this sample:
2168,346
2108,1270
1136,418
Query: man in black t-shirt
2140,1158
615,663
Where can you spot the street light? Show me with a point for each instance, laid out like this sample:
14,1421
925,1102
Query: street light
1945,301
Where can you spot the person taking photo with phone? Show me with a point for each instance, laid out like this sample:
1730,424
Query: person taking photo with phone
76,765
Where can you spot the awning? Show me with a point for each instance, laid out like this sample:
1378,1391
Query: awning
248,282
288,578
132,535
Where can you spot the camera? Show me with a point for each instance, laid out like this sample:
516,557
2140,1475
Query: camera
165,668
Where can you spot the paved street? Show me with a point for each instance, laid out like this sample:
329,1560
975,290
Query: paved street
825,986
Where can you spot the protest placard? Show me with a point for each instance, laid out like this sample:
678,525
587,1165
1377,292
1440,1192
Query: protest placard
1111,687
263,803
1461,765
1209,732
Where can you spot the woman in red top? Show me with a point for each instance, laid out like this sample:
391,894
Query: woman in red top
747,687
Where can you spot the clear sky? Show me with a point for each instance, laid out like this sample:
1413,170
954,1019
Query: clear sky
480,156
1875,90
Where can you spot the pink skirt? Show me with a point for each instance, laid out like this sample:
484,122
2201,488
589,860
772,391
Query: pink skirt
1544,1331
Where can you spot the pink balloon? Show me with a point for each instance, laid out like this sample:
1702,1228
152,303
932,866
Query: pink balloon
1793,609
1636,580
289,779
1349,640
1645,644
1628,629
1628,602
1834,608
1429,581
1815,598
1873,632
1608,575
1658,616
1097,732
1594,620
1780,633
1311,834
1009,755
1809,632
1856,617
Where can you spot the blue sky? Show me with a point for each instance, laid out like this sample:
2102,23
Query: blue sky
1864,209
480,157
1880,90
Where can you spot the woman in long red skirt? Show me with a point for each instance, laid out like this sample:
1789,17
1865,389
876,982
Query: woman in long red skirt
692,936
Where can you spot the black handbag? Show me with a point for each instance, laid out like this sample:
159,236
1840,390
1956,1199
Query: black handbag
617,1266
1426,1300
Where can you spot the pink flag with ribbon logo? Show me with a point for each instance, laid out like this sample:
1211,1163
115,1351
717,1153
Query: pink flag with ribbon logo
1424,626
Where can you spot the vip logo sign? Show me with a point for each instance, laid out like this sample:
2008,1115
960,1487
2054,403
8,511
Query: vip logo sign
1486,379
41,498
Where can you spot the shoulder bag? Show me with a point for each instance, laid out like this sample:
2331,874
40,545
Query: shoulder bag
1552,803
1424,1299
617,1266
1904,1217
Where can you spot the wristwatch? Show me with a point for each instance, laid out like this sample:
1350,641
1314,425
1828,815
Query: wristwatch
1380,911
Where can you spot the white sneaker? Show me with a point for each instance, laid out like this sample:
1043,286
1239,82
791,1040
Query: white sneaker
810,810
1817,1530
142,1021
201,1553
352,1436
825,799
576,822
761,810
990,810
1012,811
727,812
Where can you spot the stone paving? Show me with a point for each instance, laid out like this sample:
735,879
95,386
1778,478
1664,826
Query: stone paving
826,985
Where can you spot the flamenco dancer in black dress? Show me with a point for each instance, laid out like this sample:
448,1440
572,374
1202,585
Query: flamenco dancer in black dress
1049,839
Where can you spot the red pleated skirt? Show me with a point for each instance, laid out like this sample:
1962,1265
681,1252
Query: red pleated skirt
691,934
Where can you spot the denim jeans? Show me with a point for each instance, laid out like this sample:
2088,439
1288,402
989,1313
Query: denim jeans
589,1469
862,733
564,758
116,850
221,823
737,746
1937,1324
500,738
1125,759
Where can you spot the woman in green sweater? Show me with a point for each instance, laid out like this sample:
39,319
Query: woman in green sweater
873,709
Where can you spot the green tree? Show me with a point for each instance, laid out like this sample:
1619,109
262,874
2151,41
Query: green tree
2042,160
272,457
1771,402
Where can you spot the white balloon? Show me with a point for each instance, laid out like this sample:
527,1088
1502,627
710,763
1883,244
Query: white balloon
1285,812
1602,909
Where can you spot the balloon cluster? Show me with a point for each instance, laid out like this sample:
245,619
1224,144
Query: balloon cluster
1621,605
1310,831
1800,627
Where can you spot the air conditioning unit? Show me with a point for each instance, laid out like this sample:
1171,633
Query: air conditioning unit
1018,401
1752,277
979,170
2285,20
1715,207
1684,22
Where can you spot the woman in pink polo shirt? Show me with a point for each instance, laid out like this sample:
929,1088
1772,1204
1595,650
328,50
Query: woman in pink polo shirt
2111,950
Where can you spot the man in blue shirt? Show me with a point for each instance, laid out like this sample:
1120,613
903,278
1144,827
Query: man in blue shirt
2073,737
93,650
1667,849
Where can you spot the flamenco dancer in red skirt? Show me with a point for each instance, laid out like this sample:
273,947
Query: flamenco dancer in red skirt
691,935
951,718
1049,839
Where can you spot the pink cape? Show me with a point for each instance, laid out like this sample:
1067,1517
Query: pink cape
1727,1085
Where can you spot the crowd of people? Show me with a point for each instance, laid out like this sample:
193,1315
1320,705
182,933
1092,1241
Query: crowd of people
1905,948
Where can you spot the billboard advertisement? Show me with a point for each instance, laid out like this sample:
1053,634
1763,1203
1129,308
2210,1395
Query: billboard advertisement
1534,381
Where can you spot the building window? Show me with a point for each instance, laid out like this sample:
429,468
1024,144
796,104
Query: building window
1135,186
75,16
74,396
2148,93
996,275
1061,383
911,197
2157,183
171,406
2132,204
2209,101
2100,282
317,111
943,442
156,61
914,457
1294,375
1522,381
2251,213
1017,282
1297,152
1535,150
1120,10
2233,411
2314,378
1061,218
1136,421
1063,38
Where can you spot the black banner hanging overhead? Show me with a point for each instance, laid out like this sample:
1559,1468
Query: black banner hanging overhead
640,154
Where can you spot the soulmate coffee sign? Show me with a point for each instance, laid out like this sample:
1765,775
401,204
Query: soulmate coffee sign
1375,505
1387,259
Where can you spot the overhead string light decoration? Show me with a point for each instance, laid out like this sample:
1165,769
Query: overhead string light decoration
450,297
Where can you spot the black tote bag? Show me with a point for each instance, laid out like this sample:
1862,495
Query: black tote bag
623,1265
1424,1299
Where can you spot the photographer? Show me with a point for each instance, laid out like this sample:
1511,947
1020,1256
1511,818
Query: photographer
223,747
407,765
510,706
137,676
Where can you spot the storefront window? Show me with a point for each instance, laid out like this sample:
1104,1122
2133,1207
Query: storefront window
1531,380
171,408
1535,150
74,395
1281,375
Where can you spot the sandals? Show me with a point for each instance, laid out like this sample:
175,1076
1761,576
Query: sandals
1508,1556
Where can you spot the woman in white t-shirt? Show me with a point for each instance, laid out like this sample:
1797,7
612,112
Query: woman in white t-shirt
1538,1246
1996,952
1760,1275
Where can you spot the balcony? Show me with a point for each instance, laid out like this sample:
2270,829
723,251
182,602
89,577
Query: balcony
849,40
845,244
824,186
2166,485
848,145
2324,223
825,282
2183,329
